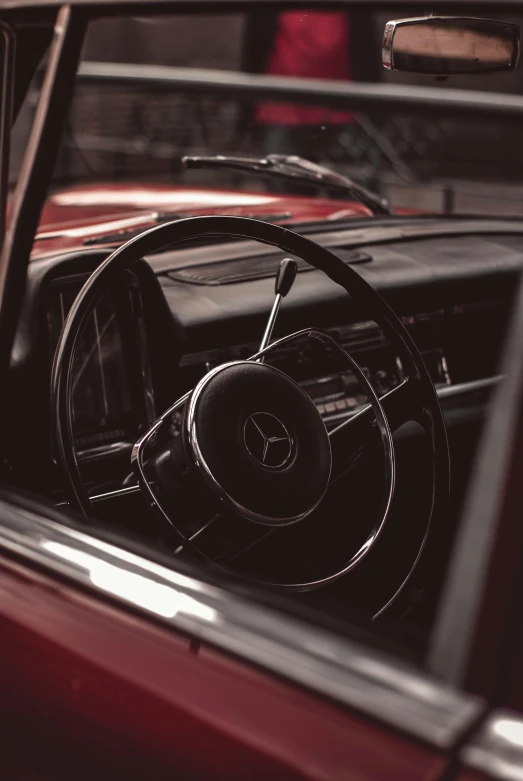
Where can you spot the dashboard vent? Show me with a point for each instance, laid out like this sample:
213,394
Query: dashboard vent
228,272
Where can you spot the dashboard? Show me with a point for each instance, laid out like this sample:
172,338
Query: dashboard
154,334
113,394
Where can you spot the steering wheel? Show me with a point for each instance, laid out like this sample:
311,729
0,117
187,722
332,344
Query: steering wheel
244,463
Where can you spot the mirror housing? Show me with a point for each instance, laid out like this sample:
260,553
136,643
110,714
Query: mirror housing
448,45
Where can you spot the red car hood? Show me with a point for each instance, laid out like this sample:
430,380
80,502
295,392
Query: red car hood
78,216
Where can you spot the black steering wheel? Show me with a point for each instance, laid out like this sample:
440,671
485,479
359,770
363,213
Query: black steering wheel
243,462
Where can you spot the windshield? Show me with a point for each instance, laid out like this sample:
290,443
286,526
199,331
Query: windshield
136,113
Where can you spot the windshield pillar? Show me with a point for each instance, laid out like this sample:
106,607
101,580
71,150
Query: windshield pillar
35,174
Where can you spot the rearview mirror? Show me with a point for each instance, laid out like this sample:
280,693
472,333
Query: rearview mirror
447,45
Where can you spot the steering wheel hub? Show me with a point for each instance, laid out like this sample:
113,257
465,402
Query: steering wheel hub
259,442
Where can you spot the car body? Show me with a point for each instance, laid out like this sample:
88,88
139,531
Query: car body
96,210
120,658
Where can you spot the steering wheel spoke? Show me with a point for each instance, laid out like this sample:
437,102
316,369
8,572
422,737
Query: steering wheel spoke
350,439
224,538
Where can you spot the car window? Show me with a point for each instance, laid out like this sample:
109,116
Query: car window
122,126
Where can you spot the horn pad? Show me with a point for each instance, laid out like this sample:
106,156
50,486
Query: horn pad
259,442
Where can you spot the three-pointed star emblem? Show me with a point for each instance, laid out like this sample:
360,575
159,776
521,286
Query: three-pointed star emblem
267,440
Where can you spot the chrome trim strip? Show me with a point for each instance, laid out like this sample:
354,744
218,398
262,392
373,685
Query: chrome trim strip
350,674
445,392
131,489
497,749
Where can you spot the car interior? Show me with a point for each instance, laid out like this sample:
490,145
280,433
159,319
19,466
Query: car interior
263,399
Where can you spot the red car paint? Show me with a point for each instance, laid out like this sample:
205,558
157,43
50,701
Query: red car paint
92,691
73,215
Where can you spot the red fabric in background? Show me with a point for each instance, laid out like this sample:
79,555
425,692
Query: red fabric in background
311,45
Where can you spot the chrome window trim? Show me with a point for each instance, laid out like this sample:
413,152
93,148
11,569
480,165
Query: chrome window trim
497,748
346,672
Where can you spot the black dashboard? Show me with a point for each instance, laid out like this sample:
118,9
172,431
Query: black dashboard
160,329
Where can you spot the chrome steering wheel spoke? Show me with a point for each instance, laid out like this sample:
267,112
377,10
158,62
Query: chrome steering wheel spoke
224,538
350,439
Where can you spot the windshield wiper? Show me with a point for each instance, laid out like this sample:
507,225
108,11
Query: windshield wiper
298,170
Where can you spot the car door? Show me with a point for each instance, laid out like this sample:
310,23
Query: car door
115,666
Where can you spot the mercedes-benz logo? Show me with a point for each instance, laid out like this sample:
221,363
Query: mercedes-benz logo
267,440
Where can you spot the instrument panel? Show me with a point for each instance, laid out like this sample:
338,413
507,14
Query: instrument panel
112,388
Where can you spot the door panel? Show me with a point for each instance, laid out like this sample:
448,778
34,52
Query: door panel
88,689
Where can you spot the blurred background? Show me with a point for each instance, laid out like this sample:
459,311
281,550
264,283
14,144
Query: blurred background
138,132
